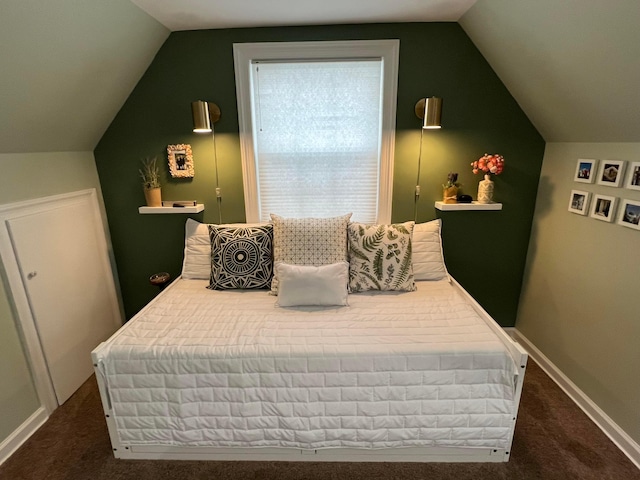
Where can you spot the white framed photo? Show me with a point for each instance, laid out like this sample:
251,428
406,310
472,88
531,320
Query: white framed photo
629,214
579,202
603,207
611,172
585,170
180,160
633,177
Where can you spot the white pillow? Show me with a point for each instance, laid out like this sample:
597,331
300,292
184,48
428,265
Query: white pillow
428,259
197,248
308,285
308,241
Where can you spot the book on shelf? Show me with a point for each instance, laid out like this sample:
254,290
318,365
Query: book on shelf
179,203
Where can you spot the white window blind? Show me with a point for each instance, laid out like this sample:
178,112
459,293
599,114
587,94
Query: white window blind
317,128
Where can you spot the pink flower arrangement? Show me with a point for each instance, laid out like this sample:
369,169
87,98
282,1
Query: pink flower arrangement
489,164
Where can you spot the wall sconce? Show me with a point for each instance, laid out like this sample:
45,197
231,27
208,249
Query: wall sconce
205,114
430,111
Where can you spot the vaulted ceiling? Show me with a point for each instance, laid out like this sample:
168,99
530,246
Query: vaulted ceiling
69,65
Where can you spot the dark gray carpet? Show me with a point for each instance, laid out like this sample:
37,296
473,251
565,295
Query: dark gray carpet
554,440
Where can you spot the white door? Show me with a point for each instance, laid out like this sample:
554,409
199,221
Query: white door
68,282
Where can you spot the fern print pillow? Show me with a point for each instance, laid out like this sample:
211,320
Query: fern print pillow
380,257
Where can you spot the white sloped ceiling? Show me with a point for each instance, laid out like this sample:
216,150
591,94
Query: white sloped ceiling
572,65
67,68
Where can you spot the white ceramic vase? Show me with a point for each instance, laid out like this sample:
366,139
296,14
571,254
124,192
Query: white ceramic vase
485,190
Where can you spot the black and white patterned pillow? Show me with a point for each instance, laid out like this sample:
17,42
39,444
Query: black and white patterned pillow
309,241
241,257
380,257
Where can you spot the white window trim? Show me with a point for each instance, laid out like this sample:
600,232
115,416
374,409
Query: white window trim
245,53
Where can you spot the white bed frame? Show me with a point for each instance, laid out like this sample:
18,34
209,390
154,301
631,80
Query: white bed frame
407,454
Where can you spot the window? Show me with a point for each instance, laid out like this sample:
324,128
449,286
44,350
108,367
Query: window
317,122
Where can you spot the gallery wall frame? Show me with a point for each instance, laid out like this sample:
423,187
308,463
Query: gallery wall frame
603,207
611,173
579,202
629,214
633,176
586,170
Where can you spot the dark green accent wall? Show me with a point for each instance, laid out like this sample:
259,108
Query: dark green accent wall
485,251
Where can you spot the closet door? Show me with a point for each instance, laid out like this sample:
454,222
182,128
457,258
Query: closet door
68,282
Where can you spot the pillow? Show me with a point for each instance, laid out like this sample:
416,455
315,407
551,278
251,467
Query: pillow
308,285
197,249
241,257
380,257
428,260
308,241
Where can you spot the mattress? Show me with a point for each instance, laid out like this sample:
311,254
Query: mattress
198,367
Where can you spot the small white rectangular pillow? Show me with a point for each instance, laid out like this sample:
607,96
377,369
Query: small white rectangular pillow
197,248
428,259
308,285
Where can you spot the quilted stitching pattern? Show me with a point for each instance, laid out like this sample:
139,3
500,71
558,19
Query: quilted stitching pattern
226,368
428,260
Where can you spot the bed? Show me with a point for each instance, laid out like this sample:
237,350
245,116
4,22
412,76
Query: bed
422,375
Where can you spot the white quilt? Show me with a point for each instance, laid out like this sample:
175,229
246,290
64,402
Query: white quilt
228,368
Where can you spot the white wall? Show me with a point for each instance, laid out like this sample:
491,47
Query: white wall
579,302
24,177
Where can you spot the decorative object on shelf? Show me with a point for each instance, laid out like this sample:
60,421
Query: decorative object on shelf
450,189
489,164
205,114
464,199
180,160
629,214
151,182
579,202
179,203
430,111
603,207
611,172
585,170
633,178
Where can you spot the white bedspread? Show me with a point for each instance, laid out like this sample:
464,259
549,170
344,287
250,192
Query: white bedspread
207,368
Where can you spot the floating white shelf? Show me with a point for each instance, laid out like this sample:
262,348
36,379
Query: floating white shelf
468,206
194,209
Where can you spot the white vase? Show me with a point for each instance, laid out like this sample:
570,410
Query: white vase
485,190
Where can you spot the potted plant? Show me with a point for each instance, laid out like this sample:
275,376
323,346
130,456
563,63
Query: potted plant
151,182
450,189
489,165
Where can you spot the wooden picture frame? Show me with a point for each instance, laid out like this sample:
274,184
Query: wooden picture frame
611,172
603,207
629,214
180,160
579,202
586,170
633,176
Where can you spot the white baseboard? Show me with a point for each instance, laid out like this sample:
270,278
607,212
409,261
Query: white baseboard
610,428
22,433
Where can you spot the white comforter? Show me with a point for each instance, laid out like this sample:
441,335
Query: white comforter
205,368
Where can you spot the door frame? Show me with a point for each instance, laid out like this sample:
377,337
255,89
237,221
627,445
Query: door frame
17,291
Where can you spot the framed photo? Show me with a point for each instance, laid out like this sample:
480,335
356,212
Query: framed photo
603,207
629,214
585,171
633,178
180,160
579,202
611,172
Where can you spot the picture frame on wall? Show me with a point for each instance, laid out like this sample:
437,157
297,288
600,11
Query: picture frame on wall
603,207
579,202
629,214
633,177
180,161
611,172
585,170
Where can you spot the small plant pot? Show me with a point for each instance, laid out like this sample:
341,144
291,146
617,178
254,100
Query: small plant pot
450,195
153,197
